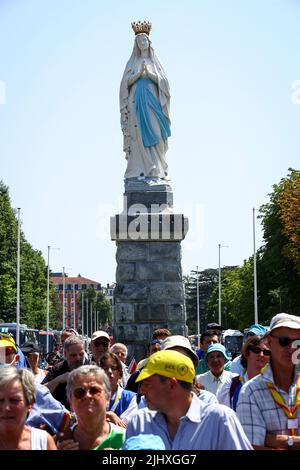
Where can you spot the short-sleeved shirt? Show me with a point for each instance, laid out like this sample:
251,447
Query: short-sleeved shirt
46,410
257,410
204,427
212,383
207,397
123,403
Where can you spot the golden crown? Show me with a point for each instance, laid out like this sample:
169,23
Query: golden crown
141,27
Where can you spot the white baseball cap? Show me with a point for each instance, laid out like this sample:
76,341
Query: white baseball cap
285,320
182,342
99,334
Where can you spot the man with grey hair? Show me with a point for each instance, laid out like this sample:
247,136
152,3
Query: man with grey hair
268,405
57,378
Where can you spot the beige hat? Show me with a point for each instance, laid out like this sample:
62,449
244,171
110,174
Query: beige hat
182,342
285,320
99,334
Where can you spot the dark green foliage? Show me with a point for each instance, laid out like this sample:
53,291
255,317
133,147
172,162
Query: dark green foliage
277,261
33,271
100,306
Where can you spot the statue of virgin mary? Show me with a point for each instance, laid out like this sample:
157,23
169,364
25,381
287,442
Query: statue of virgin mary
144,107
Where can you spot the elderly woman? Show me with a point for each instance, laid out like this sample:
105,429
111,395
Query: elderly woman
17,396
216,357
255,355
88,391
144,107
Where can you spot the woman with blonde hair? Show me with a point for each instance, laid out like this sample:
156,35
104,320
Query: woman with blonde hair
255,355
17,396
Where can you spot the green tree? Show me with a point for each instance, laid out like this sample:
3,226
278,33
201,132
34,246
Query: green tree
104,310
280,254
8,255
96,302
33,276
207,279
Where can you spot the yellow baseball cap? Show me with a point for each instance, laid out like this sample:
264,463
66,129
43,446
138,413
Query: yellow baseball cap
7,341
169,363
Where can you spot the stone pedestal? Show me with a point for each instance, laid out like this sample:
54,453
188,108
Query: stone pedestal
149,293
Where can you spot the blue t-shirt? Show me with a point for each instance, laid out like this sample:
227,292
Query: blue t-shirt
123,402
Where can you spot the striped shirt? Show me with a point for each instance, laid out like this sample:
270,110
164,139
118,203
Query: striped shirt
257,410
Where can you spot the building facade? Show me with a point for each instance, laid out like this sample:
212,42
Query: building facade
69,289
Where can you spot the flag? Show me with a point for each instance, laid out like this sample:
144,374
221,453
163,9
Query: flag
132,366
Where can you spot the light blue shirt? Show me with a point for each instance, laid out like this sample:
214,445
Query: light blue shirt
204,427
207,397
46,410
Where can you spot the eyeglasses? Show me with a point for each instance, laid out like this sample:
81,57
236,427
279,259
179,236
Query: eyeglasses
257,350
156,341
100,343
113,369
285,341
80,393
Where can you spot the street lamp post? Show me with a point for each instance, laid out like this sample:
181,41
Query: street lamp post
91,317
74,308
254,272
82,313
220,296
87,316
48,302
64,299
198,312
18,279
47,306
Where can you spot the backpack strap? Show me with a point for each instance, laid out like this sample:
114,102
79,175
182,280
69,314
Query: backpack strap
234,391
234,383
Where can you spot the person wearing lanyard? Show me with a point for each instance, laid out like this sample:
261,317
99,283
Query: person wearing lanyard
269,405
255,355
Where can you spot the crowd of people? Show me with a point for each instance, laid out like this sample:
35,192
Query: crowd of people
178,398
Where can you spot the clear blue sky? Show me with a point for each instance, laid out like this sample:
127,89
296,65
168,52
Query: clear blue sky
235,128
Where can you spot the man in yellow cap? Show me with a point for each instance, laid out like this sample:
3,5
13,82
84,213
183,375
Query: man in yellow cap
177,415
8,351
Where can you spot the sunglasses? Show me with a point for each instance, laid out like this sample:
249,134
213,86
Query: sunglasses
80,393
157,341
285,341
257,350
101,343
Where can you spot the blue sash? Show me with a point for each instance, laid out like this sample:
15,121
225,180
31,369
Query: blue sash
145,100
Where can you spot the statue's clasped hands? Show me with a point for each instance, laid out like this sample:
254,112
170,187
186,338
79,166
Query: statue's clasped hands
144,71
